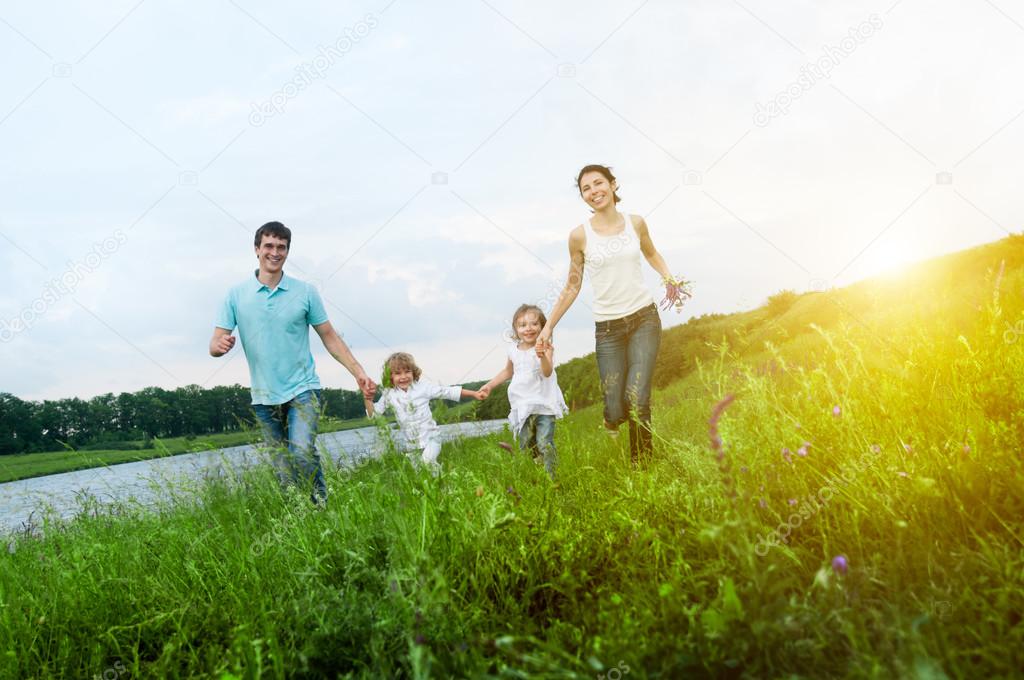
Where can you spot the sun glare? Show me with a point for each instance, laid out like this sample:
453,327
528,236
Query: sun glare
890,256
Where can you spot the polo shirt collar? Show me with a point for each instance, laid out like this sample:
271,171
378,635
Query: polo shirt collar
257,285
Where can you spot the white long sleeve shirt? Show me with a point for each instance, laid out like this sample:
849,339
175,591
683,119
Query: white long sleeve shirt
412,408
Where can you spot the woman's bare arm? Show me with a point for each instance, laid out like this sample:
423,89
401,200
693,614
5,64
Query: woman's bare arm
573,283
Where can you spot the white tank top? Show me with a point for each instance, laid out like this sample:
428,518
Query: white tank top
613,266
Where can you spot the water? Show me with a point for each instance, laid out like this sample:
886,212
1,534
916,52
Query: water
148,481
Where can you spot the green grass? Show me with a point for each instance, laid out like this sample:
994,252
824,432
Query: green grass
689,568
28,465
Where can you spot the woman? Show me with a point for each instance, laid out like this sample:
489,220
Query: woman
627,325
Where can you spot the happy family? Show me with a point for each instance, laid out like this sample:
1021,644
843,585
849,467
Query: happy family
273,313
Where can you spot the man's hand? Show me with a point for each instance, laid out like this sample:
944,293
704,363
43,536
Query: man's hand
479,395
483,392
366,385
222,345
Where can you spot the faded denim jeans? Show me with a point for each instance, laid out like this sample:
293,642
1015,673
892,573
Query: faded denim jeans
627,349
296,457
537,437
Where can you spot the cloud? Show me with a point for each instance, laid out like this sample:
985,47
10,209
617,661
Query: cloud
423,282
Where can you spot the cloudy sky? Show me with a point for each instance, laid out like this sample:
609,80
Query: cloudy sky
424,157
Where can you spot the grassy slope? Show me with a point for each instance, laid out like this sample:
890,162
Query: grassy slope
670,572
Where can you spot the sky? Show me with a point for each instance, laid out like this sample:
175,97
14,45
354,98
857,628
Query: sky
425,154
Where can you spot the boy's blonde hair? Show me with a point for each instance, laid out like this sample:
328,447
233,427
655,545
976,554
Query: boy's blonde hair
399,360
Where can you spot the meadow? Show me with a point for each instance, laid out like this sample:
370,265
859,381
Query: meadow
852,509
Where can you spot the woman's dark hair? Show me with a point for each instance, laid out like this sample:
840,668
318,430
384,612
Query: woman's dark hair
604,170
523,309
274,229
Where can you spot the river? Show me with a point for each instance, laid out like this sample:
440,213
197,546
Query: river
149,481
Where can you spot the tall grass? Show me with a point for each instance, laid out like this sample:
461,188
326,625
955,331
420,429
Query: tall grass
689,568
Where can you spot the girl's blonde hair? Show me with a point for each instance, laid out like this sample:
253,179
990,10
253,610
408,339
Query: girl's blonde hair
523,309
399,360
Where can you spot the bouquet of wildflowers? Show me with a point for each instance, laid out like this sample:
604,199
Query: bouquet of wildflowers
677,292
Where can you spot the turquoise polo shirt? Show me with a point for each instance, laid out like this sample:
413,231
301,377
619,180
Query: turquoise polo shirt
273,326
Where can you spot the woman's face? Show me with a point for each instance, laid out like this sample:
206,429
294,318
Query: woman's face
596,190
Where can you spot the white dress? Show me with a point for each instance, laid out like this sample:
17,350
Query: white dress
412,408
530,392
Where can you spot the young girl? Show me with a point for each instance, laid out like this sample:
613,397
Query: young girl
410,397
533,393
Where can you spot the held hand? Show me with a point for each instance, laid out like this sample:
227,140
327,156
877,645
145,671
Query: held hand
479,395
545,336
483,393
366,385
224,345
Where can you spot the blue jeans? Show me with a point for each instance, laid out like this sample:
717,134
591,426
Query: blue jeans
627,349
296,458
537,437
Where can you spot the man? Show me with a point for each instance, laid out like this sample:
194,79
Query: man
273,312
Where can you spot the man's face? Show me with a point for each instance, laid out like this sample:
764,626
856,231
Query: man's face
272,253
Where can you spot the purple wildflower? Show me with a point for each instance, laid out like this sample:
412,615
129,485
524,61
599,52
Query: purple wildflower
716,412
787,455
802,451
875,448
792,501
717,445
908,448
839,564
836,411
762,503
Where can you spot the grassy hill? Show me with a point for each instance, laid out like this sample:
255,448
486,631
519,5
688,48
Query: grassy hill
863,518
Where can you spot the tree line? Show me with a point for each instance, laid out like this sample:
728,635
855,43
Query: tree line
111,421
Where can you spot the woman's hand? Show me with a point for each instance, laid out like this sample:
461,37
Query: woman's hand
544,337
677,292
483,393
